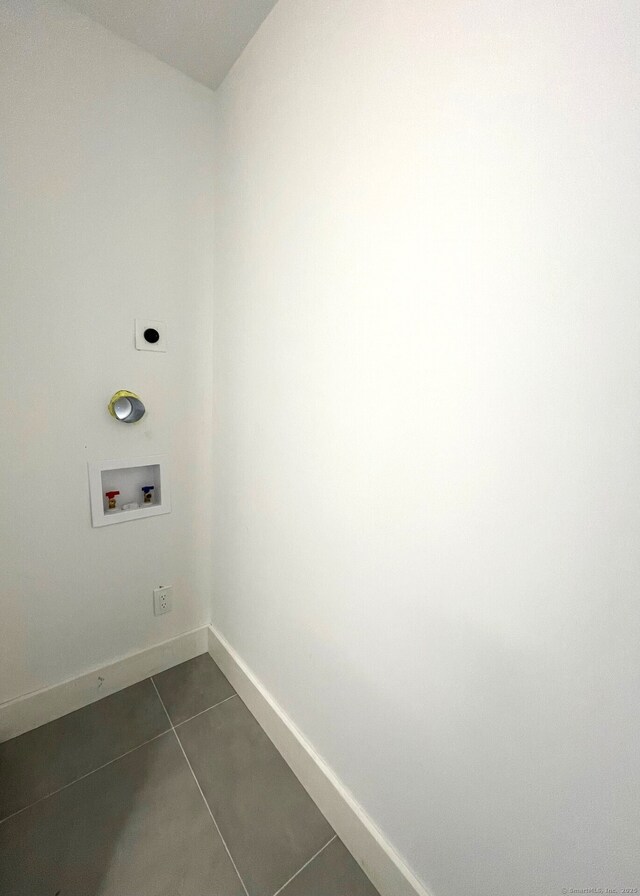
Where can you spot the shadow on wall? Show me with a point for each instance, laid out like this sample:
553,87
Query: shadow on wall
511,785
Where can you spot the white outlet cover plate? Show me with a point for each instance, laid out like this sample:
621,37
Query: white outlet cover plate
142,324
165,591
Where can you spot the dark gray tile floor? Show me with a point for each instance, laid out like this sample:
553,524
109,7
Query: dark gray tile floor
192,687
47,758
333,872
167,788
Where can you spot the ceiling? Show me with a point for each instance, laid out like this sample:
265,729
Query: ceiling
202,38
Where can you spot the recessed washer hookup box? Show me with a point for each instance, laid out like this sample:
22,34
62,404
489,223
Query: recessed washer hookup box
141,484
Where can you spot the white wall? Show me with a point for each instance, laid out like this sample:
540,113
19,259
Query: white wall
106,215
426,422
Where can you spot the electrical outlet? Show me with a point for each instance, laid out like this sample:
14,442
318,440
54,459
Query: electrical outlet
162,600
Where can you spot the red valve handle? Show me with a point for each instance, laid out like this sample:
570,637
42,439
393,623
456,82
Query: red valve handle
111,494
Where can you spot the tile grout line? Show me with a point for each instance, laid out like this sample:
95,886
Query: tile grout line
174,727
86,775
314,856
202,711
115,759
224,843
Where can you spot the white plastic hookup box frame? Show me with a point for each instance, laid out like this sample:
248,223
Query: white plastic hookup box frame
128,475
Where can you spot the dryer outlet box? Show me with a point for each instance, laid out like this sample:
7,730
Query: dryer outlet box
151,335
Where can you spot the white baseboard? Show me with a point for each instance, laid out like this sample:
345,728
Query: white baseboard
35,709
383,866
